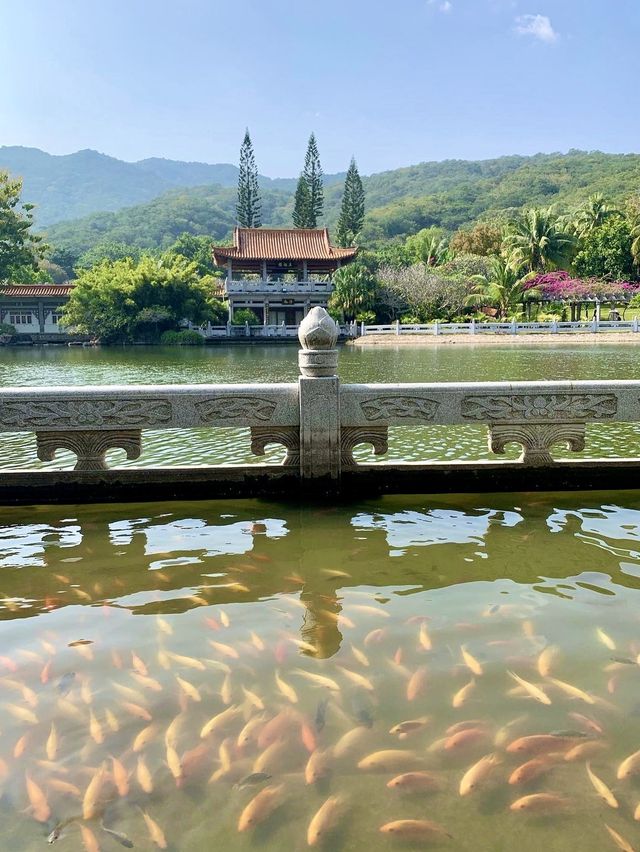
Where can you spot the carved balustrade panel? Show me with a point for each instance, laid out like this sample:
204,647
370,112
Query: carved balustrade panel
89,446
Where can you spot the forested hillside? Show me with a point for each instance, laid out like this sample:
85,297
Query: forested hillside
400,202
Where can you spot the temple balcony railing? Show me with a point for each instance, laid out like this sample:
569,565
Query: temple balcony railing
275,288
319,422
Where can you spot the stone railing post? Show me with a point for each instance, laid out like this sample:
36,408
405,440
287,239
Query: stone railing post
319,388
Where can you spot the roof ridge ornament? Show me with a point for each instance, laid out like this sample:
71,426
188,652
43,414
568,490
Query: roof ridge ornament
318,335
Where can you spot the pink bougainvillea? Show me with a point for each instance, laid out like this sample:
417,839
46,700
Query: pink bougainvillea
561,287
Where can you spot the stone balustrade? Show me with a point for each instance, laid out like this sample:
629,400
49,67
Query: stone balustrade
319,421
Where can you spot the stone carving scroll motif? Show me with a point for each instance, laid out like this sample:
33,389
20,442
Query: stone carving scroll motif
351,436
288,436
399,406
83,413
89,446
235,408
561,406
536,439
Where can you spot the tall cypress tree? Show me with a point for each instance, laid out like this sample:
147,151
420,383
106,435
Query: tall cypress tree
352,211
248,208
309,202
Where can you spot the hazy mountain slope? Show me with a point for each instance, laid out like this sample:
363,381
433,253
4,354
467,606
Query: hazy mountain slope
399,202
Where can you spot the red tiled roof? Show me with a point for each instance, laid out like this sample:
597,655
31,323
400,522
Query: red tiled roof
28,291
281,244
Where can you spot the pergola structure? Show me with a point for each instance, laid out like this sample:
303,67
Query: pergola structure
280,273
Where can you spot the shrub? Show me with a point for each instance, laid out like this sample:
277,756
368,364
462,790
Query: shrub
187,337
5,328
245,315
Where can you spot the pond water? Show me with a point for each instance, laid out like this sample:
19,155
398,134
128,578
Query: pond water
455,672
392,659
55,366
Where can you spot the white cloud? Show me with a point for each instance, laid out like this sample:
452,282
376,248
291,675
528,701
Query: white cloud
538,26
441,5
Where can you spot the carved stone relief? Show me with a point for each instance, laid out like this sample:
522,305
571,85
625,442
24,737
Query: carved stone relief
89,446
565,406
235,408
536,439
399,406
288,436
84,412
351,436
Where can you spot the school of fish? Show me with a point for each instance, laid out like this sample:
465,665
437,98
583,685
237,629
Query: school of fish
259,723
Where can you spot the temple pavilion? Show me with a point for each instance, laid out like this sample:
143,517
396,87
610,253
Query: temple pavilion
280,273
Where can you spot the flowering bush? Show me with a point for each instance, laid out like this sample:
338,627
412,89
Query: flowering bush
560,286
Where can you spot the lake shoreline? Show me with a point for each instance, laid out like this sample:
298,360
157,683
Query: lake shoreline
544,339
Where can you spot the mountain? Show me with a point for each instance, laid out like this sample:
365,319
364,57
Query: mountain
399,202
73,185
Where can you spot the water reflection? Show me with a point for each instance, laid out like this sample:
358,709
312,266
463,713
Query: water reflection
126,631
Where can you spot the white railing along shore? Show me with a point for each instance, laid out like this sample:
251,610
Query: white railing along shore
438,328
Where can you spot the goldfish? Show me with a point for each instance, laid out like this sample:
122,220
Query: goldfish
357,679
189,662
139,665
462,695
584,751
414,782
272,758
424,640
164,626
390,760
224,650
276,727
629,766
89,840
220,721
545,660
23,714
155,832
319,680
467,737
144,737
601,788
360,656
253,699
136,710
539,802
619,840
470,662
147,682
189,689
318,766
606,640
37,800
174,764
477,774
52,743
286,689
143,776
533,690
541,744
120,777
416,683
260,807
415,830
323,820
374,636
95,729
92,794
64,787
531,770
112,722
20,746
250,731
308,737
410,726
572,691
350,741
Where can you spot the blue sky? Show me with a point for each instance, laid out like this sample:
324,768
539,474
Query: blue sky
394,83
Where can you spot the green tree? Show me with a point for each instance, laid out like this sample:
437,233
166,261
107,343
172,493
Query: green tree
354,290
428,246
301,205
535,241
592,214
607,251
197,249
309,203
633,217
351,216
20,249
484,238
118,301
245,315
248,207
501,288
107,250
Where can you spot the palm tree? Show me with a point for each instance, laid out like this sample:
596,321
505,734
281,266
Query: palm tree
536,242
502,288
593,213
